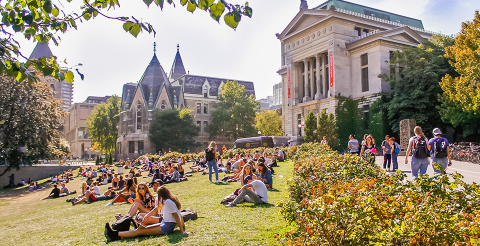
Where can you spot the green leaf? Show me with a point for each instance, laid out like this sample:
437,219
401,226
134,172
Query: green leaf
28,19
72,22
205,4
159,3
135,30
216,10
148,2
248,11
127,25
230,20
69,77
183,2
47,71
47,6
87,16
191,7
55,12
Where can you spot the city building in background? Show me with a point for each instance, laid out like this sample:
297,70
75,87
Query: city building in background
63,90
338,49
156,92
75,127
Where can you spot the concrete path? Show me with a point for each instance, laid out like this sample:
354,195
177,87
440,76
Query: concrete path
470,171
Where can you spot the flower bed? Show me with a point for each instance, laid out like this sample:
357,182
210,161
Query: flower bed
341,200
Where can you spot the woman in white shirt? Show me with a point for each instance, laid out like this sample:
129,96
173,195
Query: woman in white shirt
169,207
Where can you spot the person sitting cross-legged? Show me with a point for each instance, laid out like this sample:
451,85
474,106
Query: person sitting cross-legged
144,202
245,194
171,218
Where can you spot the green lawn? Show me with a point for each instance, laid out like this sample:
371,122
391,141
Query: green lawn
25,220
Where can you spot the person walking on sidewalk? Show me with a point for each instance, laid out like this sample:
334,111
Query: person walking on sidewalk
353,145
395,150
387,153
211,158
418,146
439,151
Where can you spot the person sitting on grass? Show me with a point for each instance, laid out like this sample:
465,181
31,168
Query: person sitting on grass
264,175
55,193
144,202
91,195
159,176
245,194
174,177
247,171
172,218
128,193
64,190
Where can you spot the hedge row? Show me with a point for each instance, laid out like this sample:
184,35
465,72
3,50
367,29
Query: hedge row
342,200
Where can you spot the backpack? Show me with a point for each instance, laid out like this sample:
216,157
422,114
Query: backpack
209,154
420,150
189,214
440,149
123,224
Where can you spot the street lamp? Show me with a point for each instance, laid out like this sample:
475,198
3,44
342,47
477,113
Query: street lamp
260,133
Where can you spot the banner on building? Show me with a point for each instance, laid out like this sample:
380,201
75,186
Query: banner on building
331,69
289,83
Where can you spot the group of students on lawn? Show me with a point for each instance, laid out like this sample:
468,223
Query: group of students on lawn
159,213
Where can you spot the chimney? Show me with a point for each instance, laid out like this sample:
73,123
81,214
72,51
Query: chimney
303,5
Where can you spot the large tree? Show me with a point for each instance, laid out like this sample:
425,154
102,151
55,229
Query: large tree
174,129
234,116
349,119
327,127
102,124
453,113
415,86
311,128
269,123
464,90
29,119
42,20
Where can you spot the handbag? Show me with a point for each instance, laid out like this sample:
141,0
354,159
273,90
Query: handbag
397,150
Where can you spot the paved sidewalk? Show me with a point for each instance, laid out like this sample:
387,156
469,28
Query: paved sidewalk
470,171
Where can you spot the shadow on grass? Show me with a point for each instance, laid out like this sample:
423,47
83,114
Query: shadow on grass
253,205
222,183
173,238
21,191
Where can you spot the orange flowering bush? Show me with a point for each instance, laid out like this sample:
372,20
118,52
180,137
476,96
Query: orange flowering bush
342,200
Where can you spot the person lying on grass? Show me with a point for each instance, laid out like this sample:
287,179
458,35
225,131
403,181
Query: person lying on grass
129,192
245,194
144,202
93,195
172,218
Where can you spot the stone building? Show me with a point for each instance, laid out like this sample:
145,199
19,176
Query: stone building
156,92
75,127
338,49
63,90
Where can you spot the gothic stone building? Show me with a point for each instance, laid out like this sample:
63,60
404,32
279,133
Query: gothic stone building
338,48
156,92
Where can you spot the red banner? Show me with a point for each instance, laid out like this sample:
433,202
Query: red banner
331,69
288,83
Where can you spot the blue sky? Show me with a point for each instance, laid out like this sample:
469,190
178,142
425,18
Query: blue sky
111,57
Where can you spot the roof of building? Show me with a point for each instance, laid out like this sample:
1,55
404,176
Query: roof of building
95,98
128,88
193,84
177,68
371,12
41,50
153,79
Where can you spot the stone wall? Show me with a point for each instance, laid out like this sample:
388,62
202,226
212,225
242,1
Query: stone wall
34,172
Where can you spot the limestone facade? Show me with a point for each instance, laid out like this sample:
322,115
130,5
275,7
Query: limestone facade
328,51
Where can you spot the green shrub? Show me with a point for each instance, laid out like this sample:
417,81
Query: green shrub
342,200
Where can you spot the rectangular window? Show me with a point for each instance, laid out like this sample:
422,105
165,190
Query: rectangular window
366,115
80,134
199,125
299,121
392,69
364,32
364,71
199,108
357,31
120,147
140,147
205,126
131,147
205,108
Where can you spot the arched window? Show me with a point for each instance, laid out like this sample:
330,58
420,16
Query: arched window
139,116
205,91
52,87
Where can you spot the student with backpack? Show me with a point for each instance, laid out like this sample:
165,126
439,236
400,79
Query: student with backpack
439,150
210,156
395,151
418,146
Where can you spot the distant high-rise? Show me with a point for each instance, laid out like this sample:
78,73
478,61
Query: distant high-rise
63,90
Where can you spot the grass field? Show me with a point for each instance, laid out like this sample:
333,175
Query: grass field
25,220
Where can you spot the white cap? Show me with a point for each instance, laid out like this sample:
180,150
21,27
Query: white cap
437,131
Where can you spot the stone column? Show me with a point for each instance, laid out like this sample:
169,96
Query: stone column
318,95
312,86
305,77
323,76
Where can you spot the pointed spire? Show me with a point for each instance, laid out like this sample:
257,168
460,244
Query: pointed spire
177,68
303,5
41,50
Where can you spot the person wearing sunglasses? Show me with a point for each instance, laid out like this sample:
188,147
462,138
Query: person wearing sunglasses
144,202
